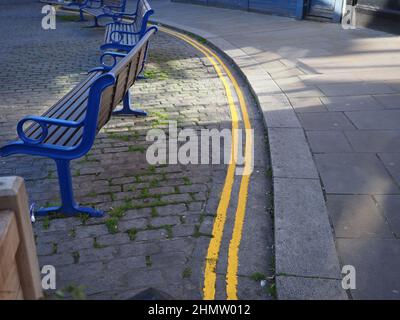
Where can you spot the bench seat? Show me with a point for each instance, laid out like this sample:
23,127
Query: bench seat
123,36
72,107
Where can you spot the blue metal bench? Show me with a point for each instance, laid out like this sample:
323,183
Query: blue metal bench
65,3
68,129
122,35
102,8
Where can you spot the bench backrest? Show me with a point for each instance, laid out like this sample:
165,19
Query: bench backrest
143,12
121,4
108,91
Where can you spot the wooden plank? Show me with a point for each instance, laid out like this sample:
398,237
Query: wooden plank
10,289
9,242
57,109
70,110
13,197
20,294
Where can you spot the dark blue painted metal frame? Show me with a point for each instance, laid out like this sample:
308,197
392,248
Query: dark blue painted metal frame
60,154
126,109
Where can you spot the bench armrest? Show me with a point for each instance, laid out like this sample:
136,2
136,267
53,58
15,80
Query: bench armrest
43,122
104,66
113,55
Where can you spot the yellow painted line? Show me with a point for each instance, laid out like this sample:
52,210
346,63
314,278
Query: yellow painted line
210,275
234,245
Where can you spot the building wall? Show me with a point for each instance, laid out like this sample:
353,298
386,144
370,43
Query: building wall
288,8
377,14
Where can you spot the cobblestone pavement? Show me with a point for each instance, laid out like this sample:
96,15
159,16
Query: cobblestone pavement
159,218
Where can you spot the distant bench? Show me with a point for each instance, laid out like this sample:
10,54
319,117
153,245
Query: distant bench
121,35
65,3
102,8
68,129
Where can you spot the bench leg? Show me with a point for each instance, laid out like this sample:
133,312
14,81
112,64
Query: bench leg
126,109
96,22
141,77
81,17
68,207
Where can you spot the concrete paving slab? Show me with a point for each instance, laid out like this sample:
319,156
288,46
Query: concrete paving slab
300,210
307,105
353,103
389,205
352,173
355,216
374,140
391,162
377,264
290,155
391,101
325,121
351,89
381,120
328,142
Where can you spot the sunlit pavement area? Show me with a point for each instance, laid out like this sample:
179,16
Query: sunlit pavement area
341,87
159,218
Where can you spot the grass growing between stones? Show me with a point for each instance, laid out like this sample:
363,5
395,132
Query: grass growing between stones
54,248
132,233
76,256
272,290
97,245
154,213
156,74
187,181
112,225
72,233
187,273
136,149
76,292
149,263
46,223
117,136
66,17
257,276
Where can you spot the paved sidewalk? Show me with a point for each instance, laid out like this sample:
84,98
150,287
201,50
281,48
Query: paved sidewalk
336,93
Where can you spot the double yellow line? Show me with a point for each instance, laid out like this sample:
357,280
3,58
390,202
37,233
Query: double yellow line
210,275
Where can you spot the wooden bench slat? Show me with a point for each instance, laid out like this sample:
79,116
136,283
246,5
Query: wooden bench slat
70,110
62,135
58,108
71,113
